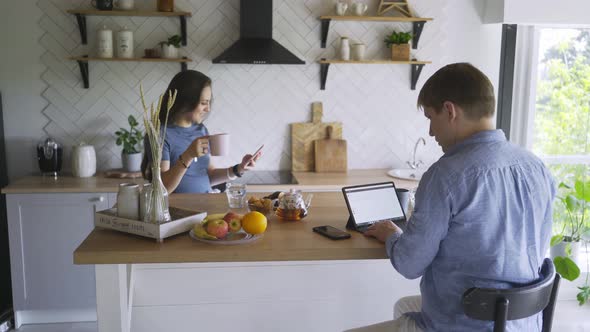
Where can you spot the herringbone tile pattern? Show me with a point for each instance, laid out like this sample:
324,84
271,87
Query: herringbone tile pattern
255,103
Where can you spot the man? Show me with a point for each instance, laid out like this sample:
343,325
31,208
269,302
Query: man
482,216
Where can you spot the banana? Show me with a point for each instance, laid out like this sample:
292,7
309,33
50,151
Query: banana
214,217
200,232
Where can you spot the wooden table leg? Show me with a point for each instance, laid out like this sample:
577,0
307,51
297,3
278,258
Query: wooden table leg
114,297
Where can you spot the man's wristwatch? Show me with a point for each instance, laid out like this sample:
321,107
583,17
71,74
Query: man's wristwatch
236,170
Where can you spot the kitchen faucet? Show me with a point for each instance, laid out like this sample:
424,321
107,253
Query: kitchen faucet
413,164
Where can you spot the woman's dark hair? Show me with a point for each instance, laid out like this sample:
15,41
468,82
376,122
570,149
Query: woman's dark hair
189,85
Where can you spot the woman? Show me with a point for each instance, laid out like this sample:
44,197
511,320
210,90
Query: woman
186,165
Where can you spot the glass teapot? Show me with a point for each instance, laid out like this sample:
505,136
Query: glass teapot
292,206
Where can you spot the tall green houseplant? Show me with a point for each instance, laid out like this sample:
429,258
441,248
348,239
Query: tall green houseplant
576,202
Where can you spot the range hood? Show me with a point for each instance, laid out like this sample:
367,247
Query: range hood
256,45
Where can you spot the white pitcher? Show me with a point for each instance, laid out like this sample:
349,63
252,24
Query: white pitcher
83,160
359,8
341,8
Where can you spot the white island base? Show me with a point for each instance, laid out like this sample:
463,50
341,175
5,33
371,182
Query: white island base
253,296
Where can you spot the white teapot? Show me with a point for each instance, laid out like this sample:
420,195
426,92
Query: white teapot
359,8
83,160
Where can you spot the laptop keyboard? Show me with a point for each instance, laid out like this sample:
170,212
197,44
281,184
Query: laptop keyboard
363,228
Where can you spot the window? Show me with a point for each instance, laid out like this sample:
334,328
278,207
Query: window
551,105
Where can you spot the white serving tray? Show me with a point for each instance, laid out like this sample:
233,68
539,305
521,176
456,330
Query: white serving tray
182,221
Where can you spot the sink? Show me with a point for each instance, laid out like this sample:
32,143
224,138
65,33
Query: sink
407,173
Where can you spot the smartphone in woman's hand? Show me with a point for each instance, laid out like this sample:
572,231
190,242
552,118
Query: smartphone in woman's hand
254,154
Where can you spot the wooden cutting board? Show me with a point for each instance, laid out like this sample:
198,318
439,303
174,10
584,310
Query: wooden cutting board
304,133
121,174
330,153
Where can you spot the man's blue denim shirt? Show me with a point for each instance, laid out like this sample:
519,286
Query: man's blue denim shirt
482,218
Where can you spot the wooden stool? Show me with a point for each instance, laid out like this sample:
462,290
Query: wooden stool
399,5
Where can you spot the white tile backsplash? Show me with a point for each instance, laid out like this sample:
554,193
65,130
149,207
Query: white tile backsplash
256,103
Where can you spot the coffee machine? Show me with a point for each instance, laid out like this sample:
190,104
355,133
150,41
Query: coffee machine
49,155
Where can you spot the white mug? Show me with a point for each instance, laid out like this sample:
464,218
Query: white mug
124,4
341,8
219,144
359,8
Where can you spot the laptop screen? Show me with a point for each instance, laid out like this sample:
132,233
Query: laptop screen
373,202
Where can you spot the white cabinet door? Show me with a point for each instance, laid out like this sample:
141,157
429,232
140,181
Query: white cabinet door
44,231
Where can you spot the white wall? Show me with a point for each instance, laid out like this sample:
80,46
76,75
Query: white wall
43,92
568,12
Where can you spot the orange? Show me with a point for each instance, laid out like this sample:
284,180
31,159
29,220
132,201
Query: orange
254,222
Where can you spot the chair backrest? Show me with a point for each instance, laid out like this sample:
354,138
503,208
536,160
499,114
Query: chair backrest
500,305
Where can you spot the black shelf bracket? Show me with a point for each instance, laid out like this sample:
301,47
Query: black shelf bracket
183,29
417,28
323,74
84,71
81,18
325,28
416,70
183,65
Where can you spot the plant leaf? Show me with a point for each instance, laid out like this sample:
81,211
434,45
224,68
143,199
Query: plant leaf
571,203
568,249
556,239
583,295
567,268
583,190
119,141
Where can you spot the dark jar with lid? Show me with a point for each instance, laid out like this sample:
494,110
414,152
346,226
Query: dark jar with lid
166,5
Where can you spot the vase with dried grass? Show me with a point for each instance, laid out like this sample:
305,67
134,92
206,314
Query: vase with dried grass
157,208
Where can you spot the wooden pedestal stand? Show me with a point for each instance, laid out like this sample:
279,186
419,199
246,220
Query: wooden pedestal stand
399,5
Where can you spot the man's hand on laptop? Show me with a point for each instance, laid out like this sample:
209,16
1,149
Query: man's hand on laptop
382,230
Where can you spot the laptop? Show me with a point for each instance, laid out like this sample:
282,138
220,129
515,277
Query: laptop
371,203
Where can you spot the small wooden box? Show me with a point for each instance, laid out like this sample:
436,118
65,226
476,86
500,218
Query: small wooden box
400,52
182,221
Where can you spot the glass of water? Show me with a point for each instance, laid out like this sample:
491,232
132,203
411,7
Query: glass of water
236,195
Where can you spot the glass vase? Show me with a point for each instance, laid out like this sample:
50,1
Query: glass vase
157,208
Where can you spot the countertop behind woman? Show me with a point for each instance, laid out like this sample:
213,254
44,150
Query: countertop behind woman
306,181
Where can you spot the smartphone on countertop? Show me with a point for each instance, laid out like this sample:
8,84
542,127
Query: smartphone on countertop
331,232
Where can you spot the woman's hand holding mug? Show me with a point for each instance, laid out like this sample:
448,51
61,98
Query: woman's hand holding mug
199,147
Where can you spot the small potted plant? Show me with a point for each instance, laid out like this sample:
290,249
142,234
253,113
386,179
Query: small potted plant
566,244
130,156
399,43
170,47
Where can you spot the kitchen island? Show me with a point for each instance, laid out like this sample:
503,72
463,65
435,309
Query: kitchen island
291,279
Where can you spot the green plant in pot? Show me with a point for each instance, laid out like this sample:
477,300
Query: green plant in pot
131,155
565,245
170,47
399,44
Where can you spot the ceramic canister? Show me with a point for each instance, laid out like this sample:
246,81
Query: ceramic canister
128,201
125,43
83,161
104,43
344,49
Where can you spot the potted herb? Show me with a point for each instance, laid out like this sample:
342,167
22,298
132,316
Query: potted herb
399,43
566,244
131,155
170,47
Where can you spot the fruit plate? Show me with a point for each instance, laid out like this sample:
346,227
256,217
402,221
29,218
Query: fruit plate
230,239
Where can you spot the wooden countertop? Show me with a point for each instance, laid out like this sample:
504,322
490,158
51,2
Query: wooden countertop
282,241
307,181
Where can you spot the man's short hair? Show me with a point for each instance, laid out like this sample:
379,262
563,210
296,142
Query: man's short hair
463,85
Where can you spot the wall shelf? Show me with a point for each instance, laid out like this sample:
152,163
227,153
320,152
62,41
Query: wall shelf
83,63
82,13
417,24
416,67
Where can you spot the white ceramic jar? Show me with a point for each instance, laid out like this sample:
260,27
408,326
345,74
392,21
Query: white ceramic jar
125,43
358,51
344,49
104,43
128,201
83,160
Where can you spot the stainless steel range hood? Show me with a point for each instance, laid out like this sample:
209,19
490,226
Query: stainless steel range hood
256,45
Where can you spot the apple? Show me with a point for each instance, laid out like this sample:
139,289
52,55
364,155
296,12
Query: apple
235,225
217,228
234,221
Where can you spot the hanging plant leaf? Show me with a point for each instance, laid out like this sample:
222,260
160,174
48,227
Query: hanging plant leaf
583,295
567,268
556,239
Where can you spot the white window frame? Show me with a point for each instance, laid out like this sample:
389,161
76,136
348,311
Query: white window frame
524,93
